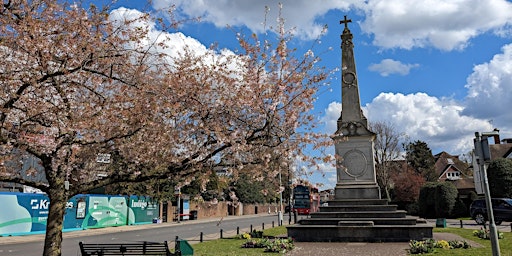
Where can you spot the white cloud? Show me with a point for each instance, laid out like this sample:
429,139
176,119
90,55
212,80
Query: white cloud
490,91
299,14
172,44
176,42
332,113
438,122
445,25
442,24
388,67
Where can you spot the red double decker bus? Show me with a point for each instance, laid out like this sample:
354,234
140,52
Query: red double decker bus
305,199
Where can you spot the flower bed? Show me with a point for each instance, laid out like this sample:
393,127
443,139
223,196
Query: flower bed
484,234
278,245
430,245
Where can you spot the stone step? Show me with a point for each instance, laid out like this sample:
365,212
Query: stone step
376,233
340,202
357,208
355,223
376,221
360,214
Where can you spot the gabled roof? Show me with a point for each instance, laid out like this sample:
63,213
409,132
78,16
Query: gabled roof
445,162
500,150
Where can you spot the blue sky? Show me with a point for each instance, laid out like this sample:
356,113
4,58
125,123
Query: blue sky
439,71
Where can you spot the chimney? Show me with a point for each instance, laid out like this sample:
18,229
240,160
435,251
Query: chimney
497,136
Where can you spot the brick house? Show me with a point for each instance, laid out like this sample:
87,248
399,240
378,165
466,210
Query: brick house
451,169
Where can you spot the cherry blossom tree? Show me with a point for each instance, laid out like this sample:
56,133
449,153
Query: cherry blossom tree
97,100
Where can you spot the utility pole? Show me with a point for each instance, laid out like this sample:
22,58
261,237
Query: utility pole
483,155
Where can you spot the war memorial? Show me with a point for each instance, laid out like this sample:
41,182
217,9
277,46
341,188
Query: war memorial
357,213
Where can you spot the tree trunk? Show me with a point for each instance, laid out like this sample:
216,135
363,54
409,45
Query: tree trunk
53,238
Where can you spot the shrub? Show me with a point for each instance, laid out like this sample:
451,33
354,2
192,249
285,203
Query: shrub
460,209
446,195
440,196
413,209
426,201
499,174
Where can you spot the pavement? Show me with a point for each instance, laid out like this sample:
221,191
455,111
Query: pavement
301,248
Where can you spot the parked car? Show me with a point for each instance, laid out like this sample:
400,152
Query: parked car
502,210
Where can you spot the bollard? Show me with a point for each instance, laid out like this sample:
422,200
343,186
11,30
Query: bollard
238,230
295,217
263,226
272,223
250,230
461,225
201,237
221,234
510,227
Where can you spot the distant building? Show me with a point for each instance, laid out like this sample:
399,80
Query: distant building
30,170
501,150
451,169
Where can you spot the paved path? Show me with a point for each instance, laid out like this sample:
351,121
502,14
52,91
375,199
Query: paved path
364,249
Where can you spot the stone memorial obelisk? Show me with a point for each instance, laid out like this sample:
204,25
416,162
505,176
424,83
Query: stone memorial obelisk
357,213
355,164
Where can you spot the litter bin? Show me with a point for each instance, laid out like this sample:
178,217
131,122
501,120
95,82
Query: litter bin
193,215
184,247
441,223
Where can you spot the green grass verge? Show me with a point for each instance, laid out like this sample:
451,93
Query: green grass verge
232,247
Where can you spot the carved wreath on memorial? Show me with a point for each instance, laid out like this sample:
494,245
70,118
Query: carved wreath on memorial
354,162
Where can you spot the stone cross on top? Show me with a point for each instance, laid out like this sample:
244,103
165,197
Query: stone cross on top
345,21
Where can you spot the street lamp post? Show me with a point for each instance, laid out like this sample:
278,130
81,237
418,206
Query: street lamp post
483,157
280,213
289,198
177,192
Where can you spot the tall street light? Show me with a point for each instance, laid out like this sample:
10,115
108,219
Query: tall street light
483,155
280,213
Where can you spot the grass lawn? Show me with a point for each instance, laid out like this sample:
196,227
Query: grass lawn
232,246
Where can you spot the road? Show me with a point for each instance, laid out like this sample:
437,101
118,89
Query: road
189,230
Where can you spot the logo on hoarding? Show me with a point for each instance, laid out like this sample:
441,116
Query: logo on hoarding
140,203
39,204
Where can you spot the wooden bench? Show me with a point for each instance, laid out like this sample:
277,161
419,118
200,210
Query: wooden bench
143,248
